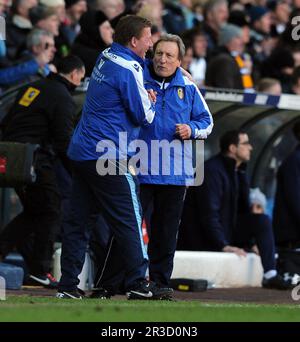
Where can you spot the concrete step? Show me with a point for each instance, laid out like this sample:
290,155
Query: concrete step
225,270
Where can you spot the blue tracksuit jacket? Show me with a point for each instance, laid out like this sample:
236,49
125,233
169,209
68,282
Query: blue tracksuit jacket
116,102
180,101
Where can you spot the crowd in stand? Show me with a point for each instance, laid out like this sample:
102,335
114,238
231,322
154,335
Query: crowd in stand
238,44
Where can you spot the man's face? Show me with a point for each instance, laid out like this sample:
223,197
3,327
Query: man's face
166,59
47,44
144,43
243,149
77,10
77,76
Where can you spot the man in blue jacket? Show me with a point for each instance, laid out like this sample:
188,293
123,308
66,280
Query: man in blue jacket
116,105
181,116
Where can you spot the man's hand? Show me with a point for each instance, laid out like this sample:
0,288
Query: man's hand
187,74
152,95
254,249
184,131
236,250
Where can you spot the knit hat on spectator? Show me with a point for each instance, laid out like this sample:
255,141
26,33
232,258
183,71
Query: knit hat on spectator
256,12
52,3
238,18
258,197
70,3
227,33
40,12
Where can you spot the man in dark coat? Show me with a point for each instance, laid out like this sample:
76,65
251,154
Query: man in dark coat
287,200
43,114
224,221
228,68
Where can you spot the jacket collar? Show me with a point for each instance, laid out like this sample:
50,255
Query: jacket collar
174,80
230,164
57,77
123,50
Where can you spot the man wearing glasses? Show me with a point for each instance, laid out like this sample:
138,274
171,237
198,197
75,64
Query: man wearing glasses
224,218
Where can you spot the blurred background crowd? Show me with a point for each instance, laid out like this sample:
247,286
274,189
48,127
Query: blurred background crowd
237,44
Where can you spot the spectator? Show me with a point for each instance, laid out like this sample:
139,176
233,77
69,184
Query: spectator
280,65
269,86
96,35
215,16
111,9
258,201
224,219
178,16
58,6
35,60
45,18
229,69
43,114
18,27
71,27
198,65
295,83
286,214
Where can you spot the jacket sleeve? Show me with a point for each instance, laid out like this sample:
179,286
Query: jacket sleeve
209,198
62,129
18,72
135,98
291,186
201,119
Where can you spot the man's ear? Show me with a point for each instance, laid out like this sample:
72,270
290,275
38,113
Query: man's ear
133,41
72,74
232,148
35,49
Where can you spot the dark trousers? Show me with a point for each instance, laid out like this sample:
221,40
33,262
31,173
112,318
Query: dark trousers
162,205
162,208
115,197
37,224
257,228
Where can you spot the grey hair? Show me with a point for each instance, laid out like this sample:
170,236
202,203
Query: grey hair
210,5
172,38
34,38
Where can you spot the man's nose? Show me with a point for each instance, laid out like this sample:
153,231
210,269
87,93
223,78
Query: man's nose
163,58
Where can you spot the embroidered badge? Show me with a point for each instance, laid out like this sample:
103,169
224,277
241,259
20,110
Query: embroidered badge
180,93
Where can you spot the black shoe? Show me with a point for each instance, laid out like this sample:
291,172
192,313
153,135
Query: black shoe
46,280
101,294
76,294
276,283
149,290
